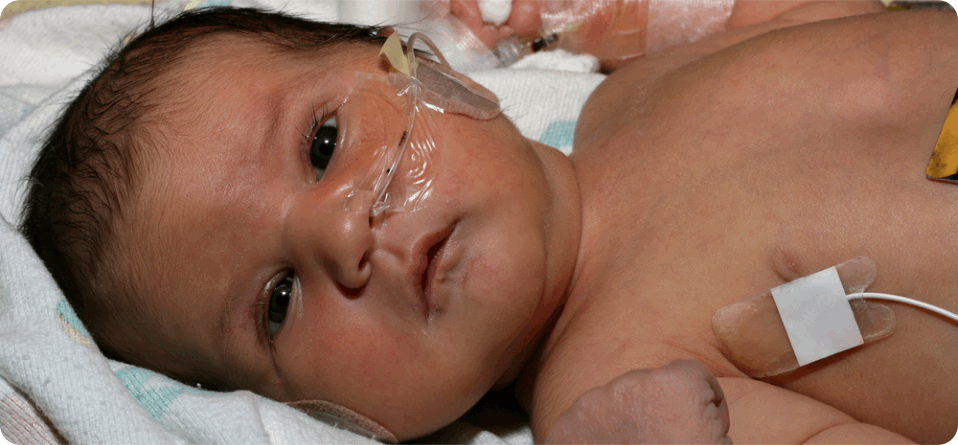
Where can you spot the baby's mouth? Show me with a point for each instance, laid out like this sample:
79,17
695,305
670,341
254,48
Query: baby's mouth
431,263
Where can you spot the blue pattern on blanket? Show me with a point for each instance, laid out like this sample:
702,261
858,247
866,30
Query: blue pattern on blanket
559,134
205,3
73,327
153,400
69,317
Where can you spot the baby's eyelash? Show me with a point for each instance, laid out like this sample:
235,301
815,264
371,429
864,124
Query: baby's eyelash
260,309
318,118
259,315
312,127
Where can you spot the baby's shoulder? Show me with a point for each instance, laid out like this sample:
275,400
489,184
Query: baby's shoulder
615,100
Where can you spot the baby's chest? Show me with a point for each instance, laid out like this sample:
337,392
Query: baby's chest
705,247
690,228
726,177
694,210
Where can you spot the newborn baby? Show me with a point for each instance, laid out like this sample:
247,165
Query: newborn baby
194,203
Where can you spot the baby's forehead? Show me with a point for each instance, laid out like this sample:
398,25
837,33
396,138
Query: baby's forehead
248,50
222,65
213,53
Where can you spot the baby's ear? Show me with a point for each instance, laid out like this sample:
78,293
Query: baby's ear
341,417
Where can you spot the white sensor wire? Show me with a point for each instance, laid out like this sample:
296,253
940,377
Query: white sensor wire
897,299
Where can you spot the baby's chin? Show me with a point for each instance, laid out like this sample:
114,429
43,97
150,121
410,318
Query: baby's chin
437,415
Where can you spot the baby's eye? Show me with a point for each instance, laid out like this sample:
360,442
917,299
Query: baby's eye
278,304
324,143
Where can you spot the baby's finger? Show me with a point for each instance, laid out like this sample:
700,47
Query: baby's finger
526,17
467,11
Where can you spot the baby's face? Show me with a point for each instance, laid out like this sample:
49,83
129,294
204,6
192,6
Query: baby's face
234,221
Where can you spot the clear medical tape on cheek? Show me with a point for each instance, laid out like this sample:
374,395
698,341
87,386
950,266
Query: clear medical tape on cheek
803,321
401,173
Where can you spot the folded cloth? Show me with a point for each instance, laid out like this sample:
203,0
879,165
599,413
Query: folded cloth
35,52
55,385
544,104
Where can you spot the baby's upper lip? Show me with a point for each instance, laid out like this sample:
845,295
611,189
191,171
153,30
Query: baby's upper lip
426,250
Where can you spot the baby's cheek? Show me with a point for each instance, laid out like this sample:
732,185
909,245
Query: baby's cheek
321,355
508,280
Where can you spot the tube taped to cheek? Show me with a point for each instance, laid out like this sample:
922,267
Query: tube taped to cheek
803,321
393,166
402,115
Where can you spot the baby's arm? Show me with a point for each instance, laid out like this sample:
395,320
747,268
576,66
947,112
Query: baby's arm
614,31
763,413
752,18
680,402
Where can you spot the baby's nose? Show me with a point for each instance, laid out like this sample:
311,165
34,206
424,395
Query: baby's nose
348,258
335,241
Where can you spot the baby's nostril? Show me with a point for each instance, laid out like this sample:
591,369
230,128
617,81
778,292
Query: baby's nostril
350,292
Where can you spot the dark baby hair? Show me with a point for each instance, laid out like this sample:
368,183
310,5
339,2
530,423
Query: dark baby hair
86,175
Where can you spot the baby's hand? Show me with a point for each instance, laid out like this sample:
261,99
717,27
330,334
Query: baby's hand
523,20
613,31
680,402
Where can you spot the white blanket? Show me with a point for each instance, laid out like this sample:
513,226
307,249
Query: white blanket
54,383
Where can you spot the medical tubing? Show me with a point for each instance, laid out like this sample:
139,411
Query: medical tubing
678,22
463,50
904,300
610,30
411,51
413,90
620,30
512,49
